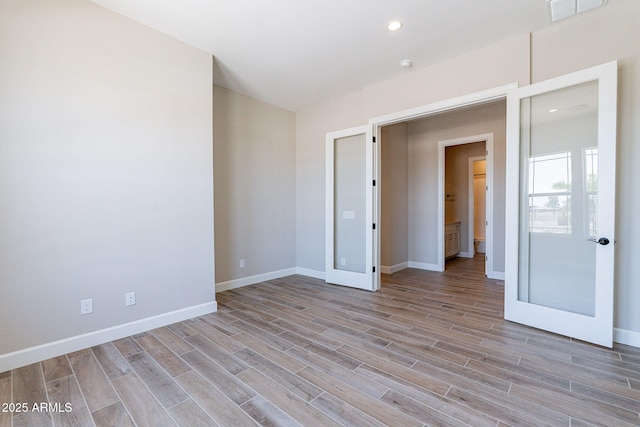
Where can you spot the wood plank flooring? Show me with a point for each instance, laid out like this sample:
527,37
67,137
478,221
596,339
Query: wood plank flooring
427,349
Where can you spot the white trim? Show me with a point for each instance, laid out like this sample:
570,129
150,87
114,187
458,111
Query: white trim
252,280
423,266
487,138
466,254
311,273
476,98
377,204
498,275
394,268
35,354
624,336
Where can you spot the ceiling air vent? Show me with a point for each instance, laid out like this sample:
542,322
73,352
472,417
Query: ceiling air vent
560,9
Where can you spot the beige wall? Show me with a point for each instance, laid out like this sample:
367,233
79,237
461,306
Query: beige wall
613,33
496,65
255,187
492,66
105,171
420,208
409,214
312,125
394,216
424,136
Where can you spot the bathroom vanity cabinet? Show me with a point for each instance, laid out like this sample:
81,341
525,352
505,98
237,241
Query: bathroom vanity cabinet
451,239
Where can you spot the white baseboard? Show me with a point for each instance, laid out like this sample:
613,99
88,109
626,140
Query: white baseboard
624,336
252,280
498,275
466,254
35,354
424,266
394,268
311,273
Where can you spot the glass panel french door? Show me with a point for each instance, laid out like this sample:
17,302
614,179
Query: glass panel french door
561,204
349,204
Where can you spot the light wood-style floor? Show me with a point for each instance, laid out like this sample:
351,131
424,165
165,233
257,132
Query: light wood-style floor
428,349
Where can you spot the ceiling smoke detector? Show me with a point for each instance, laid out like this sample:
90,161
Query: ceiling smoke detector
405,64
561,9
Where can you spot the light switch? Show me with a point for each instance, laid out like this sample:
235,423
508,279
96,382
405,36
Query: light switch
348,215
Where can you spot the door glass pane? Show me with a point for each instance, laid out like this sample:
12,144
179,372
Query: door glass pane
558,195
350,203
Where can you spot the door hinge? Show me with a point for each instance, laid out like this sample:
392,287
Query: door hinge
374,268
374,225
374,139
374,182
486,223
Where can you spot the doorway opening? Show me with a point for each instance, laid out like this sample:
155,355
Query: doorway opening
412,195
430,259
477,219
465,213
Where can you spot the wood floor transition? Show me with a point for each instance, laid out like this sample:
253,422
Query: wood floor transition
427,349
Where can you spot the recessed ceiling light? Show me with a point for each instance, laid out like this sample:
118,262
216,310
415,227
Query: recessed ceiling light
394,25
553,110
405,63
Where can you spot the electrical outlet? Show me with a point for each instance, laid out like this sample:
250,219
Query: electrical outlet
241,263
86,306
130,298
343,261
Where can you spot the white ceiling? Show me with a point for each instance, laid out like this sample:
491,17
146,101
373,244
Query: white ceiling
298,53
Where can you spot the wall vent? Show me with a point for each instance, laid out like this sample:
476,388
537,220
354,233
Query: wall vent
561,9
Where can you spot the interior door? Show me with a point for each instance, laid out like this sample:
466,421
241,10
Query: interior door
561,151
350,224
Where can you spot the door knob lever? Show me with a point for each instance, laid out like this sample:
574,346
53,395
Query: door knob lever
603,241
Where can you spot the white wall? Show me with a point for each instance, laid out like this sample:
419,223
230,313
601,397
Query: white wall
105,172
255,188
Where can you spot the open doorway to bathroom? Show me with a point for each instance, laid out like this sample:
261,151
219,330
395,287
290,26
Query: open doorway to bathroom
465,202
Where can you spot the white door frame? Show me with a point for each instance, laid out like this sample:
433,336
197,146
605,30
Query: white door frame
473,99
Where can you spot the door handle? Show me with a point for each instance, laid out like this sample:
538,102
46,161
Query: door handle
603,241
